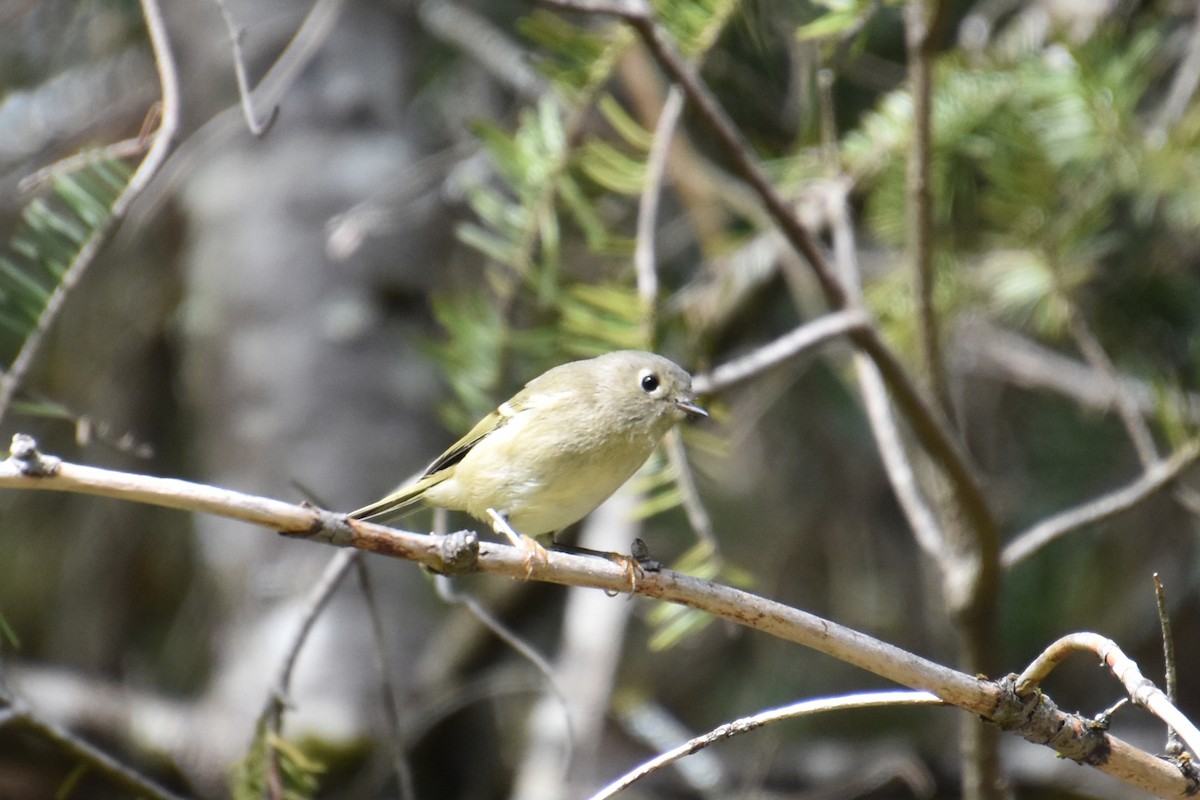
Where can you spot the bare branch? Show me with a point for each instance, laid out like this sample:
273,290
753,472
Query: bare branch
1150,482
1174,746
884,428
985,349
258,128
404,777
271,717
164,139
27,469
656,165
1142,691
748,724
476,37
13,713
786,347
693,505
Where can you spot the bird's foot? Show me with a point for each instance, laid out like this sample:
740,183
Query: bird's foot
534,552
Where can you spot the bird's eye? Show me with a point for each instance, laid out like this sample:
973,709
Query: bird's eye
649,382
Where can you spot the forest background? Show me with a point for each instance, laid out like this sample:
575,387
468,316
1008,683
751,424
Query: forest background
933,264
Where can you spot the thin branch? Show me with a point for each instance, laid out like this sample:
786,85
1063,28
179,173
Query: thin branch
404,777
1174,746
693,505
16,715
318,598
647,219
1149,483
164,139
985,349
781,350
448,592
477,38
311,35
884,428
764,718
27,469
126,148
258,128
1093,353
1142,691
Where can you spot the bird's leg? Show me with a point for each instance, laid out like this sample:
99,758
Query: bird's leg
533,551
635,564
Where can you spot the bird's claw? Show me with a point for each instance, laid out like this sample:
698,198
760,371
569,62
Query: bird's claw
534,552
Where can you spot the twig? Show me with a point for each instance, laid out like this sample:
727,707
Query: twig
164,139
318,597
27,469
477,38
1174,745
1150,482
924,523
1142,691
786,347
258,128
1093,353
656,165
308,39
693,506
404,777
748,724
448,592
126,148
984,349
15,714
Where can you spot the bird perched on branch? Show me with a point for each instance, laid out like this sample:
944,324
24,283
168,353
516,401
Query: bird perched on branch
557,449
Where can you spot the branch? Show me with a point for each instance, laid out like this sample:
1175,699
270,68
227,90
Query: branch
884,427
985,349
271,717
1142,691
919,202
748,724
656,165
1170,683
1150,482
783,349
156,156
258,129
14,713
27,469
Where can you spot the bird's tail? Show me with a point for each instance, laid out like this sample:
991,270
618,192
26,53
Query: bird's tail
403,499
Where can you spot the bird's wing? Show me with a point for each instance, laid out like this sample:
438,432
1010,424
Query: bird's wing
439,470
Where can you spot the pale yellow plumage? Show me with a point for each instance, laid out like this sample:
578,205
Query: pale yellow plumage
559,447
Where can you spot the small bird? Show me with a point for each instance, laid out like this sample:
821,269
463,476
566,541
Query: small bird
557,449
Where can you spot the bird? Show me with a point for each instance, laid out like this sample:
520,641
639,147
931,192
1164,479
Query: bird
556,450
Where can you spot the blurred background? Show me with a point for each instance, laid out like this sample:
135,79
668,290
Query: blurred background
445,205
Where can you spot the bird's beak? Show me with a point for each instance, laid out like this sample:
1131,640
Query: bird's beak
690,408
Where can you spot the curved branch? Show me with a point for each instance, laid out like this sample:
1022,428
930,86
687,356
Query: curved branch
1150,482
27,469
748,724
1142,691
